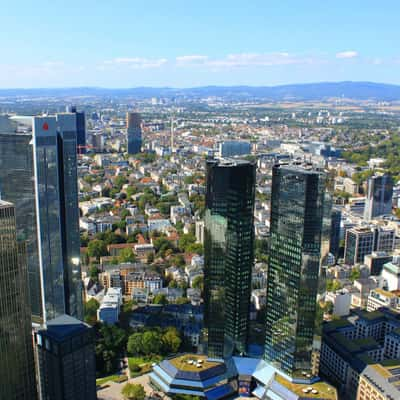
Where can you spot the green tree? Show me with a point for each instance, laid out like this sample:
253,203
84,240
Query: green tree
198,282
97,248
134,346
90,311
171,340
126,255
133,391
151,343
160,298
355,274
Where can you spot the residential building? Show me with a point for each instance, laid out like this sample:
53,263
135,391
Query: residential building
296,229
66,360
17,371
228,255
382,298
38,174
379,197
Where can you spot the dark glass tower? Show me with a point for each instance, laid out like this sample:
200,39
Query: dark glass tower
80,129
379,197
38,174
296,235
17,370
335,232
134,132
228,255
66,360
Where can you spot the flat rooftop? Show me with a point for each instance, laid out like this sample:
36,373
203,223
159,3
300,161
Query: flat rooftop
189,362
322,389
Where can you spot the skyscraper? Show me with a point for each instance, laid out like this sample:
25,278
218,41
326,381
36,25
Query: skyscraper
228,255
335,232
38,174
80,129
296,231
66,360
379,197
17,370
134,132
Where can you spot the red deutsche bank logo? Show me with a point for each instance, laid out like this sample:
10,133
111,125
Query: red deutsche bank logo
45,126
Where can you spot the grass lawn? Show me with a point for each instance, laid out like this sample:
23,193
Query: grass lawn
143,362
112,378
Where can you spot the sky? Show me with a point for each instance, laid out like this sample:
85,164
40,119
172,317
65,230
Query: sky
187,43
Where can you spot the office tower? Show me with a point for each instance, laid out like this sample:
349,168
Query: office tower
66,360
335,232
228,255
359,242
376,261
80,129
379,197
134,132
232,148
296,229
38,174
17,370
384,238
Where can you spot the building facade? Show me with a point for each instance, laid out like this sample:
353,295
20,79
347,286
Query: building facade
80,129
379,197
17,370
66,360
134,132
38,174
296,230
228,255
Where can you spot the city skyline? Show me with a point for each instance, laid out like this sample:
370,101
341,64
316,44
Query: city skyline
207,44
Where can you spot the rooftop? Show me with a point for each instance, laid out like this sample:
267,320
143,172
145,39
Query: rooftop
63,327
323,390
189,362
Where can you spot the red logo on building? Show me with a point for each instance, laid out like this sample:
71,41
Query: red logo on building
45,126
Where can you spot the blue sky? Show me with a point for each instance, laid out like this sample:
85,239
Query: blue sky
128,43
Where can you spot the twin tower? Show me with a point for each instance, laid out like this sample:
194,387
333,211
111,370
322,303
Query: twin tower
298,232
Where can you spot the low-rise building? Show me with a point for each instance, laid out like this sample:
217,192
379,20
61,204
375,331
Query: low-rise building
109,309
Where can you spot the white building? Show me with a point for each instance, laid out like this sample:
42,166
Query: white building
391,274
341,300
109,309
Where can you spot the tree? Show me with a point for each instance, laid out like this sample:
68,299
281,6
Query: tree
171,340
134,346
160,298
126,255
355,274
151,343
132,391
150,258
94,272
198,282
97,248
90,311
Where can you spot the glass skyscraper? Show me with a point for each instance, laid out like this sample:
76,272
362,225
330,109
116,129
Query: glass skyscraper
228,255
134,132
80,129
297,232
379,197
17,370
38,174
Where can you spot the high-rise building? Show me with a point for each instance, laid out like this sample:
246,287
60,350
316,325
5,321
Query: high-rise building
230,148
66,360
379,197
335,232
17,370
80,129
296,233
134,132
359,242
38,174
228,255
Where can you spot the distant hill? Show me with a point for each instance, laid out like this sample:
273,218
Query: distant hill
307,91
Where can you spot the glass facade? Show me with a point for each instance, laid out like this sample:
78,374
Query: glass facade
379,197
38,173
134,133
228,255
17,370
335,232
297,232
70,226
